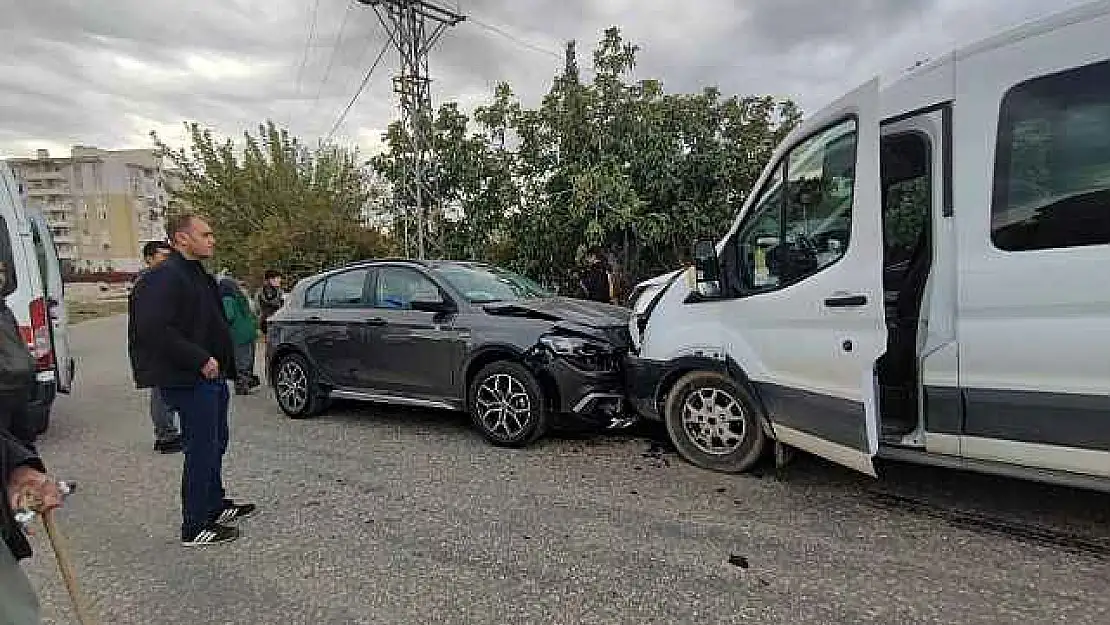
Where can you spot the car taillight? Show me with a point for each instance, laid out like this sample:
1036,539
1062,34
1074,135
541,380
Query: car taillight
38,335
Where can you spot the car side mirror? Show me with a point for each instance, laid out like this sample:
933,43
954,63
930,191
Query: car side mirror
434,306
707,269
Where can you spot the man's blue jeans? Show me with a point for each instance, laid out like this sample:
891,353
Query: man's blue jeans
202,410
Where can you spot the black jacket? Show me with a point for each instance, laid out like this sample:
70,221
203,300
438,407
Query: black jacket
270,300
175,324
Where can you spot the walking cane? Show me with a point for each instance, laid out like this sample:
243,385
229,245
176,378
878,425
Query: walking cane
31,506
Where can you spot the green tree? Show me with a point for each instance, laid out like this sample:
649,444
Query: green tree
609,162
275,203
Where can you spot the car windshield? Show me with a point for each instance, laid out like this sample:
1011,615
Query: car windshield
481,284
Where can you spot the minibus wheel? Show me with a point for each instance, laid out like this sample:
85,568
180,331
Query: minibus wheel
714,422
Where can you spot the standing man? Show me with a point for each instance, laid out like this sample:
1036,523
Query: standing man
597,280
167,437
270,298
182,346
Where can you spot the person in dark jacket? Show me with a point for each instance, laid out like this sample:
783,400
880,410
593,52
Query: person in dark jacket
270,297
167,437
21,470
180,343
597,280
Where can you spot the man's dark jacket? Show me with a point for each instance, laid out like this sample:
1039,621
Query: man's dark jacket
175,324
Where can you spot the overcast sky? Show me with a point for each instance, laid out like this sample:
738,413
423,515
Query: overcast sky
107,72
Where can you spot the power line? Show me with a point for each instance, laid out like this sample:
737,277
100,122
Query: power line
362,86
508,35
331,57
308,44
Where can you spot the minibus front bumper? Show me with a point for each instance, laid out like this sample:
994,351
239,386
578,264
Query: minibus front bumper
641,379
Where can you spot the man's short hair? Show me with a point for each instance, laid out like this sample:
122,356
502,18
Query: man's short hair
151,248
179,223
271,274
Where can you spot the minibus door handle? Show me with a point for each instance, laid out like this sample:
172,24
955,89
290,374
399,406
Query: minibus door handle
846,301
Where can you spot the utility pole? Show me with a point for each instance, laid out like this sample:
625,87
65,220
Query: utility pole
415,26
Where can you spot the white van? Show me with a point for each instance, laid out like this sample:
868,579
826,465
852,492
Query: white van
918,274
38,301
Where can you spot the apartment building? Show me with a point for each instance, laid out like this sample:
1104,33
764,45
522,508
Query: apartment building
102,205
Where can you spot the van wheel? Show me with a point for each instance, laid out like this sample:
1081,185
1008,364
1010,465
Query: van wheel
295,387
507,405
714,422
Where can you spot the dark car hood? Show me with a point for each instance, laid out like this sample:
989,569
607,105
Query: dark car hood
577,311
571,316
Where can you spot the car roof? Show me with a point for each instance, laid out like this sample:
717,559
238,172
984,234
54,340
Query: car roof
428,264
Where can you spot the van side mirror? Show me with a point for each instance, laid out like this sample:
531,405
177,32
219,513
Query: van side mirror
707,269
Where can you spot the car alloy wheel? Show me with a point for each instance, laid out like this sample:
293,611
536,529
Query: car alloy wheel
295,387
507,405
503,405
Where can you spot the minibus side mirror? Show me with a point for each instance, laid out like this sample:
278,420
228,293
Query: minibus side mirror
707,269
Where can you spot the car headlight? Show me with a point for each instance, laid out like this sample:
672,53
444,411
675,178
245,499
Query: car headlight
580,352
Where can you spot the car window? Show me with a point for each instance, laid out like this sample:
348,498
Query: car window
1052,171
346,290
314,295
398,287
483,284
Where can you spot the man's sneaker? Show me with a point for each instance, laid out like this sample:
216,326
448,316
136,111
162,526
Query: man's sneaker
169,445
212,534
236,511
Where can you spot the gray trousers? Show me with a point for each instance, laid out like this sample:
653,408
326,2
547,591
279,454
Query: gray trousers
19,605
244,359
162,417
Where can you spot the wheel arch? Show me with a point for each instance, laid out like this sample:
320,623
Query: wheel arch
489,354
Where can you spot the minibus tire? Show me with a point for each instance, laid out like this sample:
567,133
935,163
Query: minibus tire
751,445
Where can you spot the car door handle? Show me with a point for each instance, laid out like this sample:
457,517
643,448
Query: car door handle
846,301
314,319
374,321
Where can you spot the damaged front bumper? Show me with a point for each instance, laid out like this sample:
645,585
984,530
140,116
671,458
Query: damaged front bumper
584,391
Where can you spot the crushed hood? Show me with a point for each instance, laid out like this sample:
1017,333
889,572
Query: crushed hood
577,311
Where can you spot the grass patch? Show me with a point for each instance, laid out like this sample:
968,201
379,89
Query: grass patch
84,311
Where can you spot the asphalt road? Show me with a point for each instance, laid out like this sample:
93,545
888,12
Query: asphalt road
389,516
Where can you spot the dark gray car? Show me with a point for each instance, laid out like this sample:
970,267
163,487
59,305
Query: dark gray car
454,335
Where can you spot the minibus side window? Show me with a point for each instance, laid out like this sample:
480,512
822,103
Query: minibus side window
792,235
1052,170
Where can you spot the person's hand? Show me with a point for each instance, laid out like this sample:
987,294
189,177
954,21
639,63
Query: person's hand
211,369
32,489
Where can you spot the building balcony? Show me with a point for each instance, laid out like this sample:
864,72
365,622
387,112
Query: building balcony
43,175
48,191
67,238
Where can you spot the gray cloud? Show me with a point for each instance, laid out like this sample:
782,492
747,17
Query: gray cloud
106,72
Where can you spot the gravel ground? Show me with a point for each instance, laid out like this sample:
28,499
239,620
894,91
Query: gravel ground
374,515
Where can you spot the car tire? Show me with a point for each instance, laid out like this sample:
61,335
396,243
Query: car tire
490,394
295,387
715,422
